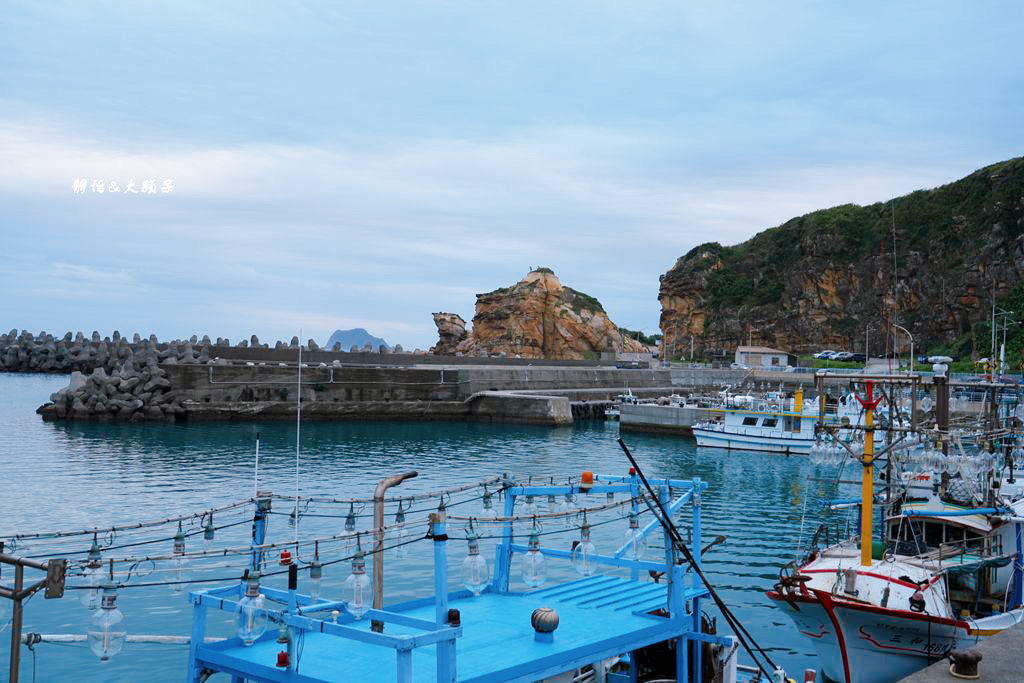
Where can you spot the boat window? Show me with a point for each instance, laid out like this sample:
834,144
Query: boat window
933,534
770,422
749,421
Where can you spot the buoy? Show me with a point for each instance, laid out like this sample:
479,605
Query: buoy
286,557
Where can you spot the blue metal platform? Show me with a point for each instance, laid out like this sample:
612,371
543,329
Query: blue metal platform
497,642
493,639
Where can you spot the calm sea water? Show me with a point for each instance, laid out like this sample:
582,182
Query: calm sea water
59,476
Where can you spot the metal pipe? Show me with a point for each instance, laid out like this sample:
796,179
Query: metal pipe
907,332
130,638
378,546
952,513
16,617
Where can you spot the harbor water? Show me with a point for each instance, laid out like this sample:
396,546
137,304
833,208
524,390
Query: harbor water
84,474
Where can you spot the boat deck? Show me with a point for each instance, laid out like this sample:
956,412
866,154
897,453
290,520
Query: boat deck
599,617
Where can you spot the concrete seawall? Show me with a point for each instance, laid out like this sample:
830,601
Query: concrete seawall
660,419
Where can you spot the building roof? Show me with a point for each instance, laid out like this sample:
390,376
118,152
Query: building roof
758,349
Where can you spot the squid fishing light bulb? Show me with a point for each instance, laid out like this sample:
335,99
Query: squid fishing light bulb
316,572
106,631
635,543
208,534
567,508
93,576
475,572
180,562
252,613
357,586
582,552
401,533
534,571
529,507
488,511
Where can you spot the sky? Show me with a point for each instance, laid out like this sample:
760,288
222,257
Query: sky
354,164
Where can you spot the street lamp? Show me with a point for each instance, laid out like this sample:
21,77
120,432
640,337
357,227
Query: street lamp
911,344
867,356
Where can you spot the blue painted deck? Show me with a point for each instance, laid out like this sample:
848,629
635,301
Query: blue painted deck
598,615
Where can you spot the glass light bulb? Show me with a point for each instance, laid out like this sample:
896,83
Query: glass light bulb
534,571
488,511
106,631
350,519
475,572
582,553
401,536
180,563
316,572
252,614
208,537
636,544
357,587
93,576
529,508
567,508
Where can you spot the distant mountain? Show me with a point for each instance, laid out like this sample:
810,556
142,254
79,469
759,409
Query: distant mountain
358,336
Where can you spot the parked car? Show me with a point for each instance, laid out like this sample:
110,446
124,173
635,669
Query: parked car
858,358
822,355
843,356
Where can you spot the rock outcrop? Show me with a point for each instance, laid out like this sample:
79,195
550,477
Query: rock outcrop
451,330
819,281
538,317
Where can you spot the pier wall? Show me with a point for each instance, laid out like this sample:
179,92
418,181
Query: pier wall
525,394
660,419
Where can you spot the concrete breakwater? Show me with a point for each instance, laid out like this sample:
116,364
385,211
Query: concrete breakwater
43,352
185,386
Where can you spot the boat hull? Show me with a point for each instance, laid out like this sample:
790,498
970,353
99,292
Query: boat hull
859,643
749,442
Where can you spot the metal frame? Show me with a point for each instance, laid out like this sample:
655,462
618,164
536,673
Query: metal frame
682,603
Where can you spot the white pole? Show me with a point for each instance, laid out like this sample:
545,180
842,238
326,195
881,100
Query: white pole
298,434
256,473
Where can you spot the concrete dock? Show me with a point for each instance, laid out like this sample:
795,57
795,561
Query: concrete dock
1001,662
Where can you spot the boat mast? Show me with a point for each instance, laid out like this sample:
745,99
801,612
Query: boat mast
867,493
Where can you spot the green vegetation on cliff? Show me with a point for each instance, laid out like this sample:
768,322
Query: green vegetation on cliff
823,278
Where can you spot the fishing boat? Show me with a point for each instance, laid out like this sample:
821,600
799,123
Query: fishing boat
772,423
946,572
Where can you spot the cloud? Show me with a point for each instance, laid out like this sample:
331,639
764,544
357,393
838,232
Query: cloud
404,228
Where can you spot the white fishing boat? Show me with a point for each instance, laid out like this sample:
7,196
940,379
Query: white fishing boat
882,621
948,571
772,423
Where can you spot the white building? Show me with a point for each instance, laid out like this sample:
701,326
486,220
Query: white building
761,356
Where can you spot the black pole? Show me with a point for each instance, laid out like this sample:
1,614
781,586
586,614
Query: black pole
666,522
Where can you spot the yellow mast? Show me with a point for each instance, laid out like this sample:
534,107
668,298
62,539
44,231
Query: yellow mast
867,493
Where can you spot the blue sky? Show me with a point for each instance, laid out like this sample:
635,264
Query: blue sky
340,164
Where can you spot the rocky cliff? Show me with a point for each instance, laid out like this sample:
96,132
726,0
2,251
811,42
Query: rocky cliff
538,317
820,280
